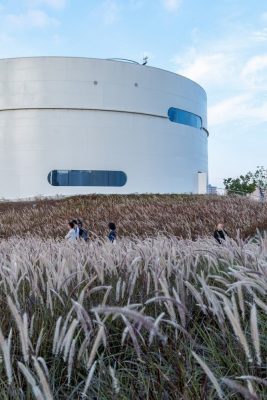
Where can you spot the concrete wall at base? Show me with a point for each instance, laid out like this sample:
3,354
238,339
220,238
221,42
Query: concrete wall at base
88,114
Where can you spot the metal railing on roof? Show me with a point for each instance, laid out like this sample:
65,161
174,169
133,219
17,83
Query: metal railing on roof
122,59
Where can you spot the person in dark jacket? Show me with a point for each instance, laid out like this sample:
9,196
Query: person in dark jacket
112,232
220,233
83,234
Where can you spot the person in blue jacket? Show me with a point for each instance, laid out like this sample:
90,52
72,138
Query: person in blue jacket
112,232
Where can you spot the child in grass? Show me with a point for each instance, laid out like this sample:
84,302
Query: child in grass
112,233
71,235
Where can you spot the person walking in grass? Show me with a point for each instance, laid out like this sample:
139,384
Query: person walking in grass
112,232
76,228
82,233
220,233
71,235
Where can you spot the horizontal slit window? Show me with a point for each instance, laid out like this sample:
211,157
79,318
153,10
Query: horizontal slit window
75,177
184,117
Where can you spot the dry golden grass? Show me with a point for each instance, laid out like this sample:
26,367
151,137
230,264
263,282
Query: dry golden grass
151,317
141,215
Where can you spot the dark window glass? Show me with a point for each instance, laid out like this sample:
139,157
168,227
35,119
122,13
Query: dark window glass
184,117
86,178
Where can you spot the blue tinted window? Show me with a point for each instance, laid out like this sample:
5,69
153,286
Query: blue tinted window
86,178
184,117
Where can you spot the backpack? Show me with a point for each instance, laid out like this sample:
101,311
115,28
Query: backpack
83,234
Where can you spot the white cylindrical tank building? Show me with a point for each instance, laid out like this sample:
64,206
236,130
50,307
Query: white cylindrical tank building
81,125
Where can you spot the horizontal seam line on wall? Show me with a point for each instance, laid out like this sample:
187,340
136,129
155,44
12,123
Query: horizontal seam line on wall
82,109
89,109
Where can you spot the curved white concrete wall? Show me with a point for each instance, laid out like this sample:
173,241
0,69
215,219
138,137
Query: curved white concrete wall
60,113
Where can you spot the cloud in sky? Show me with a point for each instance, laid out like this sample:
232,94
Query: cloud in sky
207,69
107,11
234,78
260,35
243,110
233,70
255,72
31,18
33,14
56,4
172,5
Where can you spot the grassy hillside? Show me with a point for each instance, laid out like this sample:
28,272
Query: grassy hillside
142,215
153,319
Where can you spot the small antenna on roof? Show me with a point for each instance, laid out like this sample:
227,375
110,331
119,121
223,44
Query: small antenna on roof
145,60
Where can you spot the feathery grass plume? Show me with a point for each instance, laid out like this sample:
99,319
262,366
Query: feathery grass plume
49,302
210,375
260,303
98,339
100,322
132,280
71,359
63,331
88,380
42,361
133,336
124,335
31,325
247,395
39,341
253,378
255,333
83,349
250,387
24,339
98,289
156,324
176,301
238,332
115,382
55,349
178,328
123,289
31,380
6,350
44,383
66,343
181,307
118,285
197,296
148,283
213,304
83,318
57,295
241,301
163,298
144,320
109,288
247,283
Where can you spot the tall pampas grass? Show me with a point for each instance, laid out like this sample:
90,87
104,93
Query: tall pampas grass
149,315
210,375
255,333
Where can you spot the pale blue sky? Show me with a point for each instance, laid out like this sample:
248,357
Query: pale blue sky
222,44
